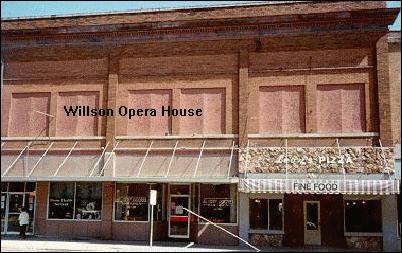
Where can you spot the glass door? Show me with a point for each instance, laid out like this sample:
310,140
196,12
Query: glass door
15,203
3,212
312,224
179,220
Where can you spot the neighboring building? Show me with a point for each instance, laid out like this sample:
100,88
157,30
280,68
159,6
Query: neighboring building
295,145
394,51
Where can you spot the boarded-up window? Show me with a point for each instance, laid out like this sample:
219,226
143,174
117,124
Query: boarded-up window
212,103
24,120
281,109
77,125
341,108
149,125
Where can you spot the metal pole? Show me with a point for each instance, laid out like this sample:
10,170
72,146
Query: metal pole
152,225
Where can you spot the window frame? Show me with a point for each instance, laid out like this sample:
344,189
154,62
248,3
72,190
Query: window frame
74,200
361,234
234,224
131,221
268,198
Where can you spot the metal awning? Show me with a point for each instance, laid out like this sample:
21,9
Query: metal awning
320,186
178,163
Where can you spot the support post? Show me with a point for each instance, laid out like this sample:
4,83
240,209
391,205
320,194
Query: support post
145,157
231,157
100,158
110,156
199,158
40,159
171,159
65,159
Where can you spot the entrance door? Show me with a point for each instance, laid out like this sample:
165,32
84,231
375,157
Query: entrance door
11,204
15,203
312,224
3,212
179,219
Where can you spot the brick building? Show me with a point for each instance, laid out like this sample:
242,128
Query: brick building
295,145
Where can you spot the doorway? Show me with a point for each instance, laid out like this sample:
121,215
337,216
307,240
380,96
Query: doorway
312,224
178,218
13,198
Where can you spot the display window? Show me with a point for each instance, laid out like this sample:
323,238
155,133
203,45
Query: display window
218,203
363,216
75,201
266,214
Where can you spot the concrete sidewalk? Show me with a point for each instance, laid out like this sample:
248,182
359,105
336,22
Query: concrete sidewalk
40,244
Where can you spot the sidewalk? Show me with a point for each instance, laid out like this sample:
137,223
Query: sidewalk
40,244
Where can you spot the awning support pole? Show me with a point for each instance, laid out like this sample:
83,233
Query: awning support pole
40,159
108,159
286,158
215,225
2,144
65,159
231,157
199,158
343,168
383,156
247,152
145,157
171,159
100,158
15,161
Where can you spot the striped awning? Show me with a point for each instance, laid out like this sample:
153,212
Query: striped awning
320,186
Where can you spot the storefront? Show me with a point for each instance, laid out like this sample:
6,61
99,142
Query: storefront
351,210
108,197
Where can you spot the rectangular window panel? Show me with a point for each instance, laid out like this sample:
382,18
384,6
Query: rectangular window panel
275,214
212,102
218,203
258,213
149,125
61,201
341,108
24,119
88,201
363,216
131,203
77,125
281,109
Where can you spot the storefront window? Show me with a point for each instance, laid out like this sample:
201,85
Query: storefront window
88,202
266,214
258,213
87,198
61,201
131,203
363,216
218,203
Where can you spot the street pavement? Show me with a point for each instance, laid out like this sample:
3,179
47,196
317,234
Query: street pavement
40,244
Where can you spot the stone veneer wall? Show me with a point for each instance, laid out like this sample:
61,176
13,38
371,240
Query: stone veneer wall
306,160
367,243
265,240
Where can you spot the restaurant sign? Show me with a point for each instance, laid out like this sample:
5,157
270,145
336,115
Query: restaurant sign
315,186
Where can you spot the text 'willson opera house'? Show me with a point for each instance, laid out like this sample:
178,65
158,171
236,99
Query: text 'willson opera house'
298,142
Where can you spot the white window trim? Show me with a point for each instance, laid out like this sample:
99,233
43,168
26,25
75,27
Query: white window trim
228,224
363,197
74,219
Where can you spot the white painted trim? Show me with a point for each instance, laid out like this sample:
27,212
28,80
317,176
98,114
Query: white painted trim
313,135
179,137
56,138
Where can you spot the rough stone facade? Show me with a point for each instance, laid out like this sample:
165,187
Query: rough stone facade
365,243
368,160
265,240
